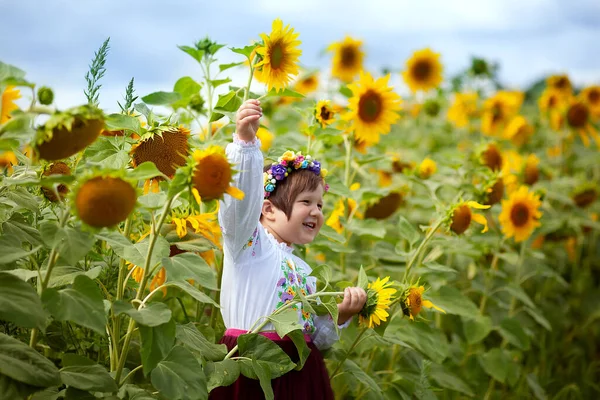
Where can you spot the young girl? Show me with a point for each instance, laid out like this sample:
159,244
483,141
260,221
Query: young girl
260,273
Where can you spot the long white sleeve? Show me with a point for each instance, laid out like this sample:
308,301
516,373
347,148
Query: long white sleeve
325,334
239,218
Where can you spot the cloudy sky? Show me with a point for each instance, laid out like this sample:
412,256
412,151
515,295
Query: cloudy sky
54,40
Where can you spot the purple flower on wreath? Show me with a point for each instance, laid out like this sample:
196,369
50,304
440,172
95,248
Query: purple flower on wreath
316,167
278,171
285,296
281,282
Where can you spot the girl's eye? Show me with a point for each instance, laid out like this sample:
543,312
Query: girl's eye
306,201
320,206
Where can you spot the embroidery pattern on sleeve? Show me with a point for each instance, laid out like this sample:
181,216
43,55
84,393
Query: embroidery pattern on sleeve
251,241
291,282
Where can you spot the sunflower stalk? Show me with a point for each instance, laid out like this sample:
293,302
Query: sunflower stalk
132,324
352,346
422,247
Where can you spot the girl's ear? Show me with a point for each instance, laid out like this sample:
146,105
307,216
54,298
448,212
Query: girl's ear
268,210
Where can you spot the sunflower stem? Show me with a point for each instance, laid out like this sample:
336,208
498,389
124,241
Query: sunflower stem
247,92
349,350
153,236
422,247
52,258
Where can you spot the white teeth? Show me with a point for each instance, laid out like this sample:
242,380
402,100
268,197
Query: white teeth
309,225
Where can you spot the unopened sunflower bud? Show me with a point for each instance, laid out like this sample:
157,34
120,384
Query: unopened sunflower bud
431,108
45,95
197,103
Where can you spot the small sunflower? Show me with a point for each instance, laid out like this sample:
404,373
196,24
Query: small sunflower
518,131
324,113
495,192
591,95
212,174
307,84
385,178
279,54
339,211
561,83
266,138
67,133
492,157
7,160
578,118
427,168
423,70
373,108
205,224
412,302
379,299
531,172
384,207
347,59
552,105
462,216
498,110
104,201
463,109
57,168
167,149
520,214
7,105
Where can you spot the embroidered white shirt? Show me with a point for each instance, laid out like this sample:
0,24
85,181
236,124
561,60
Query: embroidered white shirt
259,273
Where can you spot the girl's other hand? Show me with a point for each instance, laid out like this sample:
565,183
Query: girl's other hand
354,300
248,120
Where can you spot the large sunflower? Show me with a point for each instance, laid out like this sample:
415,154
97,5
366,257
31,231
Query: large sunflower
212,174
373,108
347,59
591,95
168,150
463,109
7,105
579,120
562,83
520,214
67,133
58,168
552,105
462,217
379,298
518,130
498,110
324,113
104,201
423,70
279,55
412,302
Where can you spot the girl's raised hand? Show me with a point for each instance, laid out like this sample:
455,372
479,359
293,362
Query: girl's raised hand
248,120
354,300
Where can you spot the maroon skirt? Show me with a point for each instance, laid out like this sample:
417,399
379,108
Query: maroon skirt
311,382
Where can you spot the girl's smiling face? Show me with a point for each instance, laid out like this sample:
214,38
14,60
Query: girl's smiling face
305,221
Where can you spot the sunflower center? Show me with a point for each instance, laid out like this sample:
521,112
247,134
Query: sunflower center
415,302
519,214
492,158
369,106
422,70
277,55
325,113
497,113
577,115
594,96
348,56
562,83
552,101
461,219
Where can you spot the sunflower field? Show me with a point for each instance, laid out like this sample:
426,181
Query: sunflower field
467,210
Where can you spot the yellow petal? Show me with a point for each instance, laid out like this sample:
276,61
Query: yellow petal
480,219
235,193
196,195
474,204
181,227
429,304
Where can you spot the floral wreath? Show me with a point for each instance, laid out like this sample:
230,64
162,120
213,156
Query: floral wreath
288,163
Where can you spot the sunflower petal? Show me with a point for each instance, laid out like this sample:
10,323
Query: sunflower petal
429,304
474,204
235,193
480,219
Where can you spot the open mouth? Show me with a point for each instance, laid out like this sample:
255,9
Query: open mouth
310,225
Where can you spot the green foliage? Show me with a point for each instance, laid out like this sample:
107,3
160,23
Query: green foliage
95,73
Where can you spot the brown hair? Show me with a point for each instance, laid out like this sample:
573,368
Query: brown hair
287,191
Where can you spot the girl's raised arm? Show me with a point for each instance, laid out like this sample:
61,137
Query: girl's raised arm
239,218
